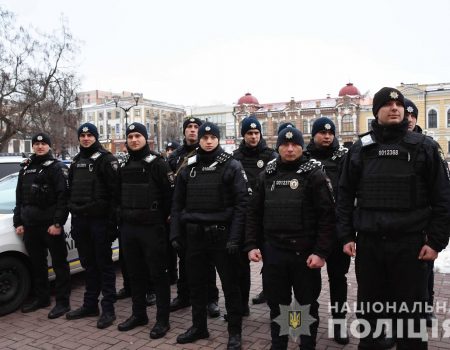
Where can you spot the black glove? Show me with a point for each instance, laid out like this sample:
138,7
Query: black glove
233,247
177,245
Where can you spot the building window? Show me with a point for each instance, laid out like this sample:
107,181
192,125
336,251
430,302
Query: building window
101,130
448,147
109,115
347,123
27,146
448,118
117,114
263,128
304,126
275,127
137,112
100,116
432,119
369,124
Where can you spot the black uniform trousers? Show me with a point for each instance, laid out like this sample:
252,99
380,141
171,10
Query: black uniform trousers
145,249
283,271
388,270
204,248
126,276
244,278
94,249
37,240
338,264
182,283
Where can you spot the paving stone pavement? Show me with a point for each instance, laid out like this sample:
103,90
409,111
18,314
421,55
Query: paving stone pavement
36,331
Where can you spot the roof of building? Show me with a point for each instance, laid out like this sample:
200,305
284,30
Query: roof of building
350,90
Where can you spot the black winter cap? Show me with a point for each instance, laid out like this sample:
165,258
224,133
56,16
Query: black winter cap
208,128
88,127
250,123
41,137
384,96
410,107
137,127
323,124
290,135
172,145
189,121
284,126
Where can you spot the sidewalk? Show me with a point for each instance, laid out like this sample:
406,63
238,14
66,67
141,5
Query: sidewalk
36,331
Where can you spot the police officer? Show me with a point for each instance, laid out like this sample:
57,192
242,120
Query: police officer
40,214
325,147
171,147
254,155
402,191
93,183
292,213
209,204
411,114
146,183
178,161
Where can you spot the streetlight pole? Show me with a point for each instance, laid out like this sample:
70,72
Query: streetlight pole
116,100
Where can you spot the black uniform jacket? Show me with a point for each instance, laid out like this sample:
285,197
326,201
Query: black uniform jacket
317,208
234,183
180,155
55,176
434,220
106,169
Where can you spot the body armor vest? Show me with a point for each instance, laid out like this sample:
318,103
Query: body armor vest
35,187
205,188
285,214
388,179
253,166
86,185
140,194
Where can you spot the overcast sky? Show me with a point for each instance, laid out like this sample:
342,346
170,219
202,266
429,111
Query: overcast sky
201,52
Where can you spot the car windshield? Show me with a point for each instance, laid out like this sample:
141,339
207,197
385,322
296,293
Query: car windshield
8,193
9,168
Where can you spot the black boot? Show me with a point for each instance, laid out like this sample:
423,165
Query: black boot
234,342
106,320
159,330
34,305
58,310
123,294
178,303
132,322
259,299
191,335
82,312
213,310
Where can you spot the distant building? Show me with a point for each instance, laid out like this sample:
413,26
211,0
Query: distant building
162,120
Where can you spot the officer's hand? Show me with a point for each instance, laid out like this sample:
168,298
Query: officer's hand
315,262
54,231
427,253
20,230
350,249
233,247
176,245
254,255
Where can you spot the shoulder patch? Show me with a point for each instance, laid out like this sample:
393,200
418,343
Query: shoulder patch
339,153
308,166
366,139
192,160
95,156
48,163
150,158
271,166
223,157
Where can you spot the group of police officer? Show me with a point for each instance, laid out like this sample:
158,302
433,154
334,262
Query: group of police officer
387,199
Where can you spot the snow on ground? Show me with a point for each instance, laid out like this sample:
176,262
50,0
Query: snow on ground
442,263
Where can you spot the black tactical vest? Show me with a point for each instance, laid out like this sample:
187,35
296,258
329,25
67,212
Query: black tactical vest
205,188
253,166
389,180
140,195
36,189
86,186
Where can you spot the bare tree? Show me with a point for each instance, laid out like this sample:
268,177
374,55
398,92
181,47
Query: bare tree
37,82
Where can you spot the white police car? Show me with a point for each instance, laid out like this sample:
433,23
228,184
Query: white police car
15,277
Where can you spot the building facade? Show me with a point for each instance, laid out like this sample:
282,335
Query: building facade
163,120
